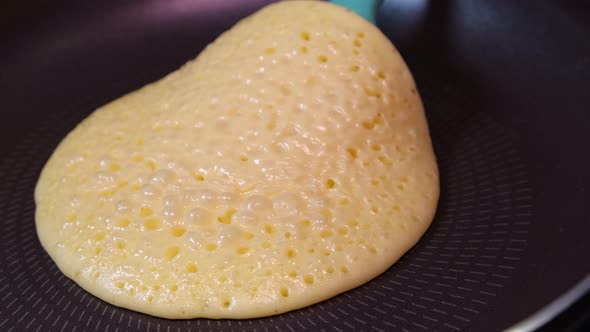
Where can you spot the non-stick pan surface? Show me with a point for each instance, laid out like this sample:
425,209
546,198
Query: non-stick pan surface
506,87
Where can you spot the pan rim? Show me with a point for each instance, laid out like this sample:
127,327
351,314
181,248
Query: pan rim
551,310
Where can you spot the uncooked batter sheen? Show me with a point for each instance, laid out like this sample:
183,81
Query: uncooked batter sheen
289,162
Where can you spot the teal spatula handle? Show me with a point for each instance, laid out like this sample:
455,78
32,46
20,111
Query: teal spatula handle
365,8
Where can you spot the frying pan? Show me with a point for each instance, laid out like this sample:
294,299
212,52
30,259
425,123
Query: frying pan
506,91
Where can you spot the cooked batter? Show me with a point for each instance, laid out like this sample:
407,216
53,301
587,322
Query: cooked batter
289,162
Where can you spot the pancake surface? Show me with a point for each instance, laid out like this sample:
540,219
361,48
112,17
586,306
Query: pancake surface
289,162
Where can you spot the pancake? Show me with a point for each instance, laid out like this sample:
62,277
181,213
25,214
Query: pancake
289,162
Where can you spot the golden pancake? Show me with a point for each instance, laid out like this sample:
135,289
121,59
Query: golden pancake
289,162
